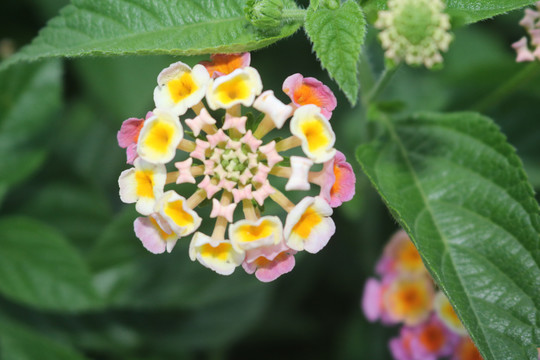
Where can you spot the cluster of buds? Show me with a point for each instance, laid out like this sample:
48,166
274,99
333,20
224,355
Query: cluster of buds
415,31
406,295
228,161
531,22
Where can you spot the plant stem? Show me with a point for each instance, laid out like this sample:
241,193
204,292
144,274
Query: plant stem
514,83
383,80
294,15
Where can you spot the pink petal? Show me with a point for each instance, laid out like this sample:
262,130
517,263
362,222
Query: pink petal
304,91
131,153
149,235
129,132
283,264
344,187
372,300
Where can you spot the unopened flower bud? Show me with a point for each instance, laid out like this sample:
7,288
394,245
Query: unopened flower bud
265,15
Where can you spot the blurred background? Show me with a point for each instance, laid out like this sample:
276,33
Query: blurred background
59,165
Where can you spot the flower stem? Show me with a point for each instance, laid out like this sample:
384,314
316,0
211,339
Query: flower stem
294,15
509,87
383,80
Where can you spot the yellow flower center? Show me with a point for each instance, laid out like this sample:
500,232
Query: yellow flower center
159,136
234,89
250,233
315,133
145,183
220,252
309,219
176,212
182,87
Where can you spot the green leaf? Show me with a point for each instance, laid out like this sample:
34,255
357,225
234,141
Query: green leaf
20,343
458,188
187,27
337,37
39,268
467,11
29,98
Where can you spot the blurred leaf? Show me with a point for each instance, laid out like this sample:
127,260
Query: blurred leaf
467,11
123,86
29,97
337,37
39,268
19,343
79,212
458,188
188,27
127,275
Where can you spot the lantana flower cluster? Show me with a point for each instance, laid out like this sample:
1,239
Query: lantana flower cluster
415,31
231,159
406,295
531,22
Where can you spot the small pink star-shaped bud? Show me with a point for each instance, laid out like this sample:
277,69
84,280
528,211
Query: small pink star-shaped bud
217,138
272,155
200,150
219,171
240,155
234,145
226,184
522,49
184,171
241,194
535,37
299,174
253,160
196,124
263,192
216,155
232,122
207,186
251,141
529,20
209,167
262,174
226,211
246,175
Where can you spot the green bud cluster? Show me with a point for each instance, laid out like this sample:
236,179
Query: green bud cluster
415,31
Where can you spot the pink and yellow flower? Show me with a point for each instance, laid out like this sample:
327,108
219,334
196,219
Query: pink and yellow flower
128,136
409,300
214,254
269,262
227,160
224,64
432,339
337,180
155,236
314,132
239,87
143,184
159,137
401,257
309,225
305,91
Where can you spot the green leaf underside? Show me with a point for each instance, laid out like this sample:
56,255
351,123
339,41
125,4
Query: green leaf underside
458,188
337,37
470,11
122,27
39,268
